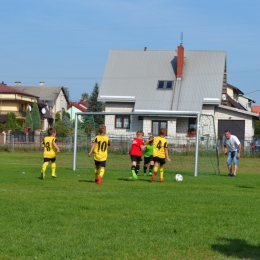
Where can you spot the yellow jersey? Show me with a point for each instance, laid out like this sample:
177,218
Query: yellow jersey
49,149
159,145
102,142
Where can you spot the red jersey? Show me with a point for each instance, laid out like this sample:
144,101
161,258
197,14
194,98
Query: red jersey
136,147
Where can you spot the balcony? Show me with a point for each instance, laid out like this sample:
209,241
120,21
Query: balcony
18,114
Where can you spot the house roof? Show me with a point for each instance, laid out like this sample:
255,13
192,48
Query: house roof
255,109
240,111
74,104
10,90
133,75
234,103
45,93
237,90
83,103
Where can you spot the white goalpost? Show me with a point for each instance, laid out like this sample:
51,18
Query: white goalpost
142,113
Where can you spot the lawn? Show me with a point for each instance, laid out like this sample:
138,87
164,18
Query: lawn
71,217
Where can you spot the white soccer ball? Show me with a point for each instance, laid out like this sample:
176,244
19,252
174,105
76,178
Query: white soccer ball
178,177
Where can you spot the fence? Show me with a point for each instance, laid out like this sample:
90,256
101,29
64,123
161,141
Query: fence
119,143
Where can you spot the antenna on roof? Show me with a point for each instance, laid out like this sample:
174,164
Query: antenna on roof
181,38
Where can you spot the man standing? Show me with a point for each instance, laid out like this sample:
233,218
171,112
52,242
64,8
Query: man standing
232,148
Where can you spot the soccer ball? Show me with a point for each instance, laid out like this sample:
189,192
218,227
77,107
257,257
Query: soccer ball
178,177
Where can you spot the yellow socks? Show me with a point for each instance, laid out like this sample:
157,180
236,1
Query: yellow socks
102,172
161,172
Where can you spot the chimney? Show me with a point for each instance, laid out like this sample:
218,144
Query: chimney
17,83
180,61
41,83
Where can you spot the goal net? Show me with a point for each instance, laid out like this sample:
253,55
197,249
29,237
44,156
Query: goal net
191,139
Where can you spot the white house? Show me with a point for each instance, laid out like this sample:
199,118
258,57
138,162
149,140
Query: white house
55,98
75,107
172,80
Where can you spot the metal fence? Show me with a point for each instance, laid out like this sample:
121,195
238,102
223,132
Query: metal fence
121,143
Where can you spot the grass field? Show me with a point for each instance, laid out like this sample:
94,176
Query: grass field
71,217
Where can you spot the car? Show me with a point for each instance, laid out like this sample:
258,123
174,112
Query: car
255,145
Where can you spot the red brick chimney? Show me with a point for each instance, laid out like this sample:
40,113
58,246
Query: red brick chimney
180,61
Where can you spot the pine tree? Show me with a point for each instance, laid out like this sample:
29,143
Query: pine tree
36,118
28,119
96,106
11,121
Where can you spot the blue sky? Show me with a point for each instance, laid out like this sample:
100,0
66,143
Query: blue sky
66,42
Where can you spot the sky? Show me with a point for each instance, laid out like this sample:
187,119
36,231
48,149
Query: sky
67,42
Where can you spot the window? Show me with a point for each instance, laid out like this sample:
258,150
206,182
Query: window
20,107
165,84
122,122
157,125
192,123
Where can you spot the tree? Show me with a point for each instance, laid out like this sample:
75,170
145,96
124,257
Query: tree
96,106
66,120
85,97
257,127
11,121
66,90
57,117
36,118
28,119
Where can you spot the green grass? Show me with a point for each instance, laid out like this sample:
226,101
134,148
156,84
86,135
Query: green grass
71,217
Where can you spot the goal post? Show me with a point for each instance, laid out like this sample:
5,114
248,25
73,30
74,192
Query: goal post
142,113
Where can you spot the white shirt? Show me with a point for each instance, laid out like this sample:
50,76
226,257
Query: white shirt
232,143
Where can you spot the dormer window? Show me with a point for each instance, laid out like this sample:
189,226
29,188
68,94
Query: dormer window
165,84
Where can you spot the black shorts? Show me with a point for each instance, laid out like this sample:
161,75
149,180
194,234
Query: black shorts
100,163
49,159
147,160
135,158
161,161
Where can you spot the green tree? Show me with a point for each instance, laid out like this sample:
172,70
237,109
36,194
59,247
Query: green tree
57,117
95,105
28,119
66,121
36,118
11,121
66,90
64,113
85,97
61,128
19,124
257,127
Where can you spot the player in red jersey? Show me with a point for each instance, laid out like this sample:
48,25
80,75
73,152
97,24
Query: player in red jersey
136,153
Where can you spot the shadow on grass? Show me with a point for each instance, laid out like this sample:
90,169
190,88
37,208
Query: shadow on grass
131,179
237,248
126,179
86,181
246,187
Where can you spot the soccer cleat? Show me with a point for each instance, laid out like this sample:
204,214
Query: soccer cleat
233,175
161,179
230,174
99,180
42,175
96,180
54,175
154,176
134,174
150,173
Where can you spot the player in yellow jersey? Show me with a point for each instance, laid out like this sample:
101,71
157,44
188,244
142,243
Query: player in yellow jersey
100,146
49,154
160,151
